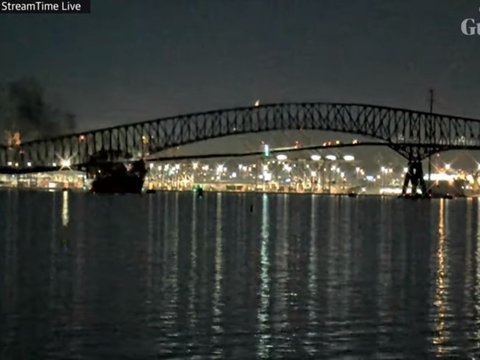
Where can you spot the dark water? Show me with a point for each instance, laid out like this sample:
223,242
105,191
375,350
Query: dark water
172,276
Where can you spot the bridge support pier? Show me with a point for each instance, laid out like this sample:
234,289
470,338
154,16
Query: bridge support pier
414,176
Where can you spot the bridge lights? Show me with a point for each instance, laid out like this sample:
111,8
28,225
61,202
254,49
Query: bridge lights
81,138
282,157
315,157
348,157
9,163
331,157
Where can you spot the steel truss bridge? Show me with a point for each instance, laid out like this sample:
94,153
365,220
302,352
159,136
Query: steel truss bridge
415,135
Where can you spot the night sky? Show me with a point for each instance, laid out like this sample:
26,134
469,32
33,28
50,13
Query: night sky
136,60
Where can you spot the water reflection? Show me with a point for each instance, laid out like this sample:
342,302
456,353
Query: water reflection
174,276
263,311
440,282
477,278
65,209
193,264
217,293
313,274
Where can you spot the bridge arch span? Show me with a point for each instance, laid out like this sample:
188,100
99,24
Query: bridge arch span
413,134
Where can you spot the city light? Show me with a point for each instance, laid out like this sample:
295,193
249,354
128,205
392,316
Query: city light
440,177
315,157
65,163
29,164
267,176
257,103
266,150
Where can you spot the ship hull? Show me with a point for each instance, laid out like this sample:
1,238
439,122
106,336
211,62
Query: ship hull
129,184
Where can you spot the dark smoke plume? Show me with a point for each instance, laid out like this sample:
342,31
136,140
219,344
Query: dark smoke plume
24,109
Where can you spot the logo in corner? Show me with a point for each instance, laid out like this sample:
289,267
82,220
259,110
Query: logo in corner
470,27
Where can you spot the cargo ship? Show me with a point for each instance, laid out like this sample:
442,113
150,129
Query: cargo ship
118,178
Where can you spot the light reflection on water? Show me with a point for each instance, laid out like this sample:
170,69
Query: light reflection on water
237,276
263,314
440,289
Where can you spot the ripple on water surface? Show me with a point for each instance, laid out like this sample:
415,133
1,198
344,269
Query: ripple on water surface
237,276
